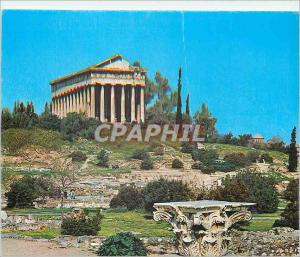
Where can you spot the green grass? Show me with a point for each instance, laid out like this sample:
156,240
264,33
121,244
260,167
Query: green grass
276,176
224,149
48,233
106,171
133,221
259,225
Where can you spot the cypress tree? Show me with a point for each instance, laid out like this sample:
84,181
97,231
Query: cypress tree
187,105
293,152
179,105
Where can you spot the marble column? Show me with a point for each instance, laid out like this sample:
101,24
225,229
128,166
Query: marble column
142,105
81,100
112,105
67,104
92,101
102,105
53,106
88,102
123,118
58,107
73,103
84,101
132,103
64,106
77,102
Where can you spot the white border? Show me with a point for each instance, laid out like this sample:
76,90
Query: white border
143,5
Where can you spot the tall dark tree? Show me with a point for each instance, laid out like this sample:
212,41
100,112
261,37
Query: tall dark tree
293,152
187,105
179,104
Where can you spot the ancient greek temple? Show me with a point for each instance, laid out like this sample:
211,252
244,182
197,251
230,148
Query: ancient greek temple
111,91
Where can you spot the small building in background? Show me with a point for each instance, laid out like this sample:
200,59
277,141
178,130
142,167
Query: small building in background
258,139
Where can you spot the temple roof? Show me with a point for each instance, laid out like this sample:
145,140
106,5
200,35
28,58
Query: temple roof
113,64
258,136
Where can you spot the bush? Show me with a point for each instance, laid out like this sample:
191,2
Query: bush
187,147
103,158
147,164
266,157
78,125
238,159
205,156
78,156
252,156
223,166
82,225
140,154
198,165
209,168
130,197
163,190
159,150
249,186
50,121
290,216
122,244
177,164
26,190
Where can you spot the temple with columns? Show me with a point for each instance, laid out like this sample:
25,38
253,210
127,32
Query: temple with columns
111,91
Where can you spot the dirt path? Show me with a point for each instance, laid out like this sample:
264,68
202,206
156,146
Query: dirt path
19,247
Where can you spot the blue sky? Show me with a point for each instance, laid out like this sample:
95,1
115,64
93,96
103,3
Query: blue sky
243,65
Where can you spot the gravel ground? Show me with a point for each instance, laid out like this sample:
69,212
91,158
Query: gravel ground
19,247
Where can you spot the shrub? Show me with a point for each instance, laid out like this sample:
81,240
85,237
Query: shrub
198,165
290,216
78,156
252,156
122,244
223,166
26,190
50,121
205,156
177,164
187,147
77,124
159,150
163,190
82,225
147,164
266,157
140,154
249,186
209,168
103,158
238,159
130,197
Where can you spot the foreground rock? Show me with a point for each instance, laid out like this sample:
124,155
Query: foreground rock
276,242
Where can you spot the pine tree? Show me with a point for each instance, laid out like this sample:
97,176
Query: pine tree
293,152
179,105
187,105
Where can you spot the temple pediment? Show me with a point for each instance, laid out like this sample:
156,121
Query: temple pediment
116,62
